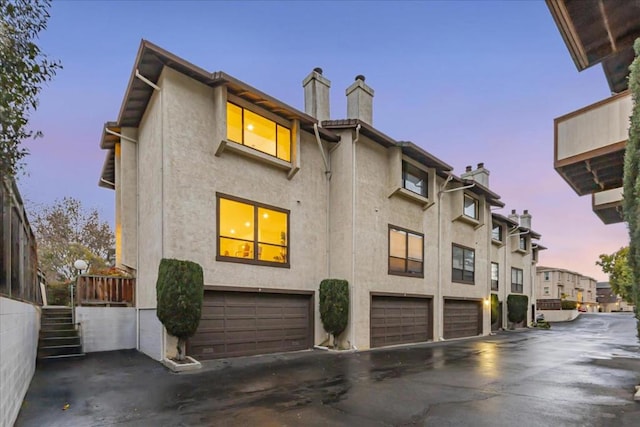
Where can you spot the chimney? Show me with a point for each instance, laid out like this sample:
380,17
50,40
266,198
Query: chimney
316,95
480,175
525,219
514,216
360,101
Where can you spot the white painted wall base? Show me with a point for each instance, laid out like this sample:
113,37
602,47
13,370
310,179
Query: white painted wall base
559,315
107,328
19,329
151,331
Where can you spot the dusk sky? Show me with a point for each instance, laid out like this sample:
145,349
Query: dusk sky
469,82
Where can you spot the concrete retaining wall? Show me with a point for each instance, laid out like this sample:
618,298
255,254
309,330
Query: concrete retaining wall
559,315
107,328
19,329
151,331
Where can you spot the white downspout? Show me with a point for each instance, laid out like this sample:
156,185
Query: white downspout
353,236
440,332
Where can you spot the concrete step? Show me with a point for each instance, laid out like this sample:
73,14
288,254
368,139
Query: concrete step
58,310
50,319
61,356
59,350
57,341
56,326
58,333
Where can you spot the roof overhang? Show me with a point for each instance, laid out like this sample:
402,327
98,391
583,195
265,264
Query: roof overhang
599,31
607,205
504,219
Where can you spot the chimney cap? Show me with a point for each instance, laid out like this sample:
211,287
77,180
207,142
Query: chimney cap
360,77
513,211
318,70
480,165
526,212
468,168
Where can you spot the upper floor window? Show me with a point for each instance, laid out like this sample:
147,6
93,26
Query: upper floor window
516,280
547,276
494,276
546,290
253,130
251,232
414,179
463,264
406,253
522,245
496,232
471,207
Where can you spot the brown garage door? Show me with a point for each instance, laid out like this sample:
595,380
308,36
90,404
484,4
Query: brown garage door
462,318
400,320
248,323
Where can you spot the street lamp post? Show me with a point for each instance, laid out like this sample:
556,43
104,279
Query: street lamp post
80,265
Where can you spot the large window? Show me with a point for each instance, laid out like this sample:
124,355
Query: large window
495,270
251,232
463,264
471,207
414,179
496,232
406,253
516,280
547,276
253,130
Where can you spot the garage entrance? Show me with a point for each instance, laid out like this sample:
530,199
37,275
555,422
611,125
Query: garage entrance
400,320
248,323
462,318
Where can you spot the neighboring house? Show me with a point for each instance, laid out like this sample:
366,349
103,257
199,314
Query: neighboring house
558,283
589,143
20,302
271,200
608,301
513,258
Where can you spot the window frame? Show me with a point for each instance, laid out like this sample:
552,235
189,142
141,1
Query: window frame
522,243
256,242
278,123
476,207
546,275
495,225
464,250
405,273
408,168
517,287
497,280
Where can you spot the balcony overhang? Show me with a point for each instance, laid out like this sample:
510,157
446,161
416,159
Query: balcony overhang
608,205
599,31
589,144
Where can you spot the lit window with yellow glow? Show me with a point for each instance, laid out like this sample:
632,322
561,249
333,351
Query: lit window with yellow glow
251,232
406,254
253,130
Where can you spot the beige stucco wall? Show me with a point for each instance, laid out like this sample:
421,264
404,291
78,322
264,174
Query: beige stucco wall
604,125
128,197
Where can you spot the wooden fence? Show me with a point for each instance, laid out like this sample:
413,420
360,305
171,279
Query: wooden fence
549,304
105,291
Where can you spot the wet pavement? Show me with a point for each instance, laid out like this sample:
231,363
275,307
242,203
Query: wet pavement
581,373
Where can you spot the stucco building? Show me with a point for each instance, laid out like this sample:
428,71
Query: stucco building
559,283
608,301
271,200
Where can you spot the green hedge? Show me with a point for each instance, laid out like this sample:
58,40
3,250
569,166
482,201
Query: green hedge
495,308
179,291
334,306
517,307
58,293
569,305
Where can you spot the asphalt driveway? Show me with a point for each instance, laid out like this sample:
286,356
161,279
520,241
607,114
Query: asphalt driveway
581,373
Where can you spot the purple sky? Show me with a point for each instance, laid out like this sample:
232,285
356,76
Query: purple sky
468,81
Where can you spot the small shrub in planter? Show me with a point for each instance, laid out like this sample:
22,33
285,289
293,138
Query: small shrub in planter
180,289
334,306
568,305
495,308
517,307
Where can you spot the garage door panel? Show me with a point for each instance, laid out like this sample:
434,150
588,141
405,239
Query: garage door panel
462,318
400,320
247,323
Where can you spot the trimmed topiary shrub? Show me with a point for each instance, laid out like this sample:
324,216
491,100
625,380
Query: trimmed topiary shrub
495,308
179,290
334,306
568,305
517,307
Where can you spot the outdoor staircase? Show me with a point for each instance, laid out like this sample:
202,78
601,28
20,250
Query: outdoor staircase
58,336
